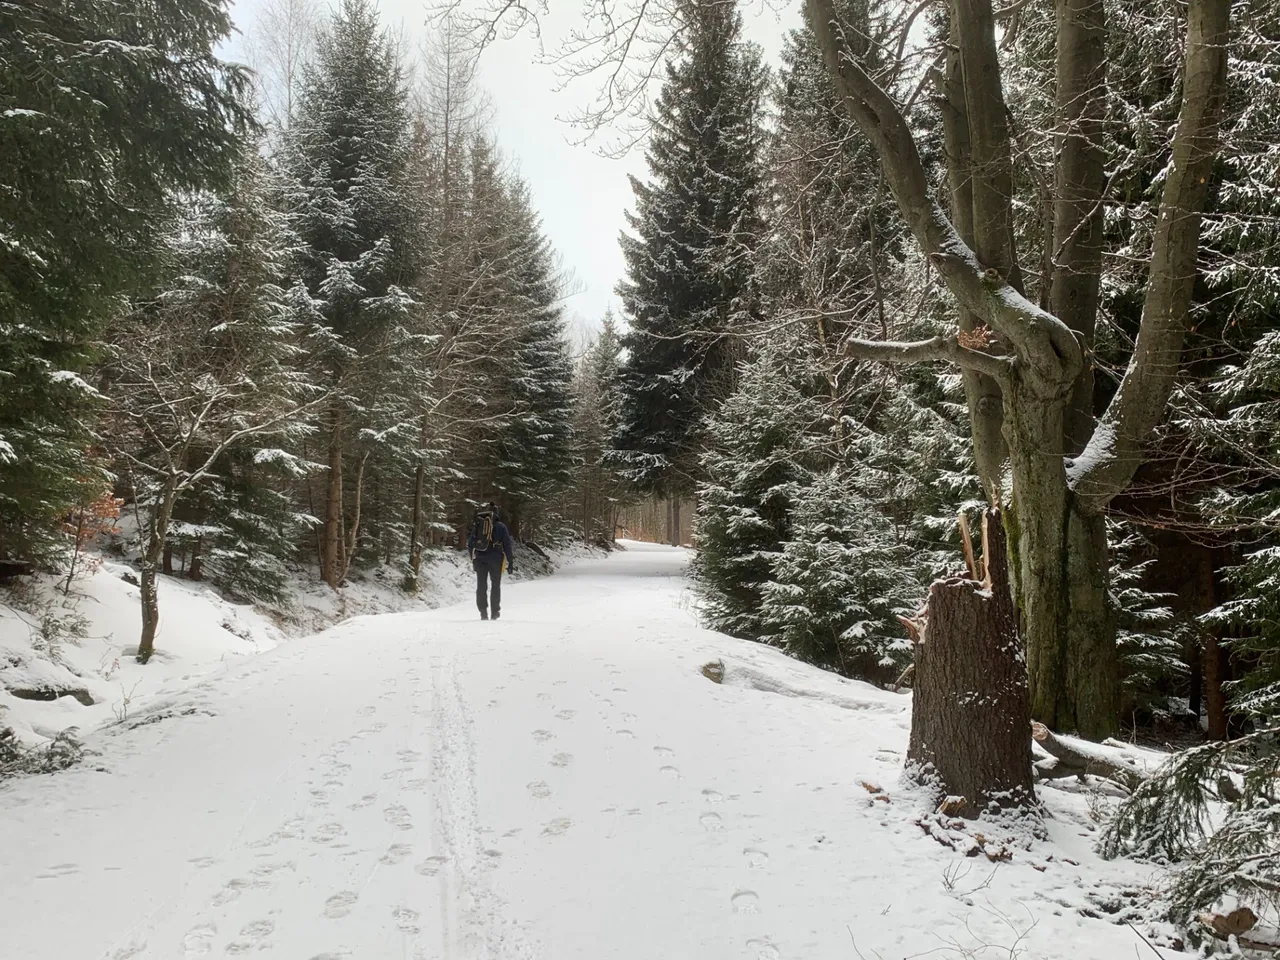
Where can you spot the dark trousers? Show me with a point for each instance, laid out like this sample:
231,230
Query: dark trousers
488,566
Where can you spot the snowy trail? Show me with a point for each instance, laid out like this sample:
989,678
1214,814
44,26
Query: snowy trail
563,784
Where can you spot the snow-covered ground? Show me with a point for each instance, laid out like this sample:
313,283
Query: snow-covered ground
84,640
563,784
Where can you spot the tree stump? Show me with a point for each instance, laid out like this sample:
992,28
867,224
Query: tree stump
971,707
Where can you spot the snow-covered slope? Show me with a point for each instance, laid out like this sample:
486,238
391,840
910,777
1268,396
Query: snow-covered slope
564,784
77,648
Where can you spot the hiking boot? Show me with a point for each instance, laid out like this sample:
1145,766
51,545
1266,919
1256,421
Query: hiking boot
496,614
485,616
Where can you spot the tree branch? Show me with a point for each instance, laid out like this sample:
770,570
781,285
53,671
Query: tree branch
1050,351
922,351
1118,445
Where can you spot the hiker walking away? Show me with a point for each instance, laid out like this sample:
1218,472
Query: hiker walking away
490,548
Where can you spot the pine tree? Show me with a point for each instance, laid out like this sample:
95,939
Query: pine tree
108,110
347,154
840,582
758,462
689,257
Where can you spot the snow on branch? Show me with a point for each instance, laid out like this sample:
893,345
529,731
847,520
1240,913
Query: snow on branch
935,348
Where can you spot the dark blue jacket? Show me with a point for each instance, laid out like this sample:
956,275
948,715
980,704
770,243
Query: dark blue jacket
501,537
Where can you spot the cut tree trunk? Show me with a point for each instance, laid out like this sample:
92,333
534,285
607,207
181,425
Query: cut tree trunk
971,709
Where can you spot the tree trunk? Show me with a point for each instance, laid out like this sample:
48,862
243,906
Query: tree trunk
982,393
152,557
196,570
168,560
1215,675
331,548
970,712
416,532
675,522
1060,583
1080,178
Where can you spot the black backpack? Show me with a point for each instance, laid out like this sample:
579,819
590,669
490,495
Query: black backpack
482,530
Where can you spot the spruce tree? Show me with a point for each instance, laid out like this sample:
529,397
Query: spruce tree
108,110
689,260
347,154
760,458
841,581
535,446
600,487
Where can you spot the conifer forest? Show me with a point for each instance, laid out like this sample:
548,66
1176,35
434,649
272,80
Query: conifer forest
944,348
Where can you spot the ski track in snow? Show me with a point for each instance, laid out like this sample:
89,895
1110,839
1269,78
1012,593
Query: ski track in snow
563,784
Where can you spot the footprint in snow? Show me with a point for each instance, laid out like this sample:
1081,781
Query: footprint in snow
542,736
396,853
628,718
670,772
202,863
267,869
664,751
712,796
756,858
539,789
252,936
233,889
626,733
406,919
711,822
556,828
562,759
199,941
398,817
565,715
409,756
368,800
328,832
367,711
340,904
763,949
431,866
745,901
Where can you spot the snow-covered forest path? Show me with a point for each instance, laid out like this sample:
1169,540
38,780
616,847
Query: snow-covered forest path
563,784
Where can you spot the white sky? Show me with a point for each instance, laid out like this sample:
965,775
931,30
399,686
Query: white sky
580,195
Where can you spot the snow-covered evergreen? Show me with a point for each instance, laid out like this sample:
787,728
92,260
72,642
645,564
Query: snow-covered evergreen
690,283
840,583
761,457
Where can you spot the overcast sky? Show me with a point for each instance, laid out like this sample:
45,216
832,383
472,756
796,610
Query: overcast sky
580,195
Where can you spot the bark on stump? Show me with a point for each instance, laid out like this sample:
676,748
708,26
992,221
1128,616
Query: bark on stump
971,709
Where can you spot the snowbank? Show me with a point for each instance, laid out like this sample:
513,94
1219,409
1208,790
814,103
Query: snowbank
66,660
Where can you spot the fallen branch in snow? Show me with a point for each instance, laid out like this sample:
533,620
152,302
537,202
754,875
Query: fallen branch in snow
1079,761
